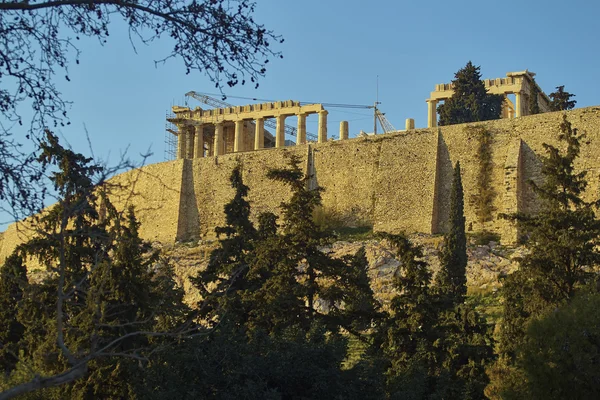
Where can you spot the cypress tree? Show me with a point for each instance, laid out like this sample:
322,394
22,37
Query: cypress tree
470,101
451,280
561,100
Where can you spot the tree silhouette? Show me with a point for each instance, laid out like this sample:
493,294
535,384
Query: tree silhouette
470,101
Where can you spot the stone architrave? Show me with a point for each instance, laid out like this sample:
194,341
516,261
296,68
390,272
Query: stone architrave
218,145
181,148
259,133
343,130
280,131
238,142
322,126
199,141
301,133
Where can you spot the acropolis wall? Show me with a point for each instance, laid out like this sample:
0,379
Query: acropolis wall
393,182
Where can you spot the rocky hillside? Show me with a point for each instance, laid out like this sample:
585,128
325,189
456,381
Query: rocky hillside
487,263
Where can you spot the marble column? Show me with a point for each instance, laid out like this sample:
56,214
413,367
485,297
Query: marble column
259,133
218,144
410,124
431,113
280,131
343,130
238,141
189,142
181,148
518,104
301,134
323,126
199,141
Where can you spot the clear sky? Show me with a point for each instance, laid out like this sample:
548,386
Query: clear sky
333,52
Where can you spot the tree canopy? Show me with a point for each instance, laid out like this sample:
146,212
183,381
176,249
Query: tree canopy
40,42
470,101
561,100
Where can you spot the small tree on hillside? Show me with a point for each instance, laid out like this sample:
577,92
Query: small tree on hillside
470,101
561,100
451,280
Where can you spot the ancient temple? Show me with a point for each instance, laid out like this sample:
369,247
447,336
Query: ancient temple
202,133
518,83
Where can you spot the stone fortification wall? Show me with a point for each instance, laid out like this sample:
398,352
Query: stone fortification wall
393,182
515,153
154,191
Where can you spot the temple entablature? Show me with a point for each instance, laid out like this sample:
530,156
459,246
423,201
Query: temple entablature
235,129
519,83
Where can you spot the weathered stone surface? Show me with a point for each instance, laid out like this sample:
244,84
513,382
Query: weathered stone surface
393,182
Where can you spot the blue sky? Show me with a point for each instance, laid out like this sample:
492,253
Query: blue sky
333,52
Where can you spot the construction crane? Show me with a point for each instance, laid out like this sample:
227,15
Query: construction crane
379,116
385,124
213,102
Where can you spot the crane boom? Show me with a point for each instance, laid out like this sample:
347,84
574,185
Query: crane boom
385,124
211,101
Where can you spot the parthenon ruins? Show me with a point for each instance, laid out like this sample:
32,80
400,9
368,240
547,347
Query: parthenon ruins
236,129
518,83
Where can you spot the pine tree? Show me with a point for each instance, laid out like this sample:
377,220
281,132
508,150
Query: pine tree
13,281
102,303
405,339
225,276
470,101
561,100
317,273
451,280
563,244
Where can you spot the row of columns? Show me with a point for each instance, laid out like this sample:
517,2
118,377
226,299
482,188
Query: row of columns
191,141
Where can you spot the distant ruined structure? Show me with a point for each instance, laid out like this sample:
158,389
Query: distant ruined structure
518,83
394,182
219,131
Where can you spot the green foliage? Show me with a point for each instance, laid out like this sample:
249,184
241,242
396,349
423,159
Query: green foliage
561,351
561,100
470,101
563,244
533,104
13,281
484,238
228,364
432,350
223,280
105,302
483,200
451,280
278,308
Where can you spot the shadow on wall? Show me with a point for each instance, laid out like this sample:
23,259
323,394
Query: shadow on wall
443,186
532,171
188,223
